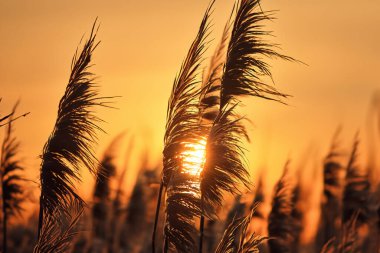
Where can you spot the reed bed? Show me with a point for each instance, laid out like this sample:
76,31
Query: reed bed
200,197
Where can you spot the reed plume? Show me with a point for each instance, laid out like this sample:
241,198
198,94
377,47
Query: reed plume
117,204
182,128
102,191
236,237
10,168
297,213
223,173
225,168
136,219
242,75
59,229
209,101
246,50
357,190
331,205
281,223
346,241
70,145
236,211
136,212
136,216
210,92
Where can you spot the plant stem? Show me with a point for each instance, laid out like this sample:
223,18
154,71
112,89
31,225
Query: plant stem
166,245
40,218
201,227
156,217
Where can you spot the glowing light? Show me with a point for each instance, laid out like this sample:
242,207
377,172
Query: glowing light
193,157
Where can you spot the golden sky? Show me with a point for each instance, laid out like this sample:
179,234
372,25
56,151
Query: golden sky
143,44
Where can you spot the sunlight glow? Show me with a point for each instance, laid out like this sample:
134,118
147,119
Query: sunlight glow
193,158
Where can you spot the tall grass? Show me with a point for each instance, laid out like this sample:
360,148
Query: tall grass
331,205
10,178
204,161
70,146
281,223
182,203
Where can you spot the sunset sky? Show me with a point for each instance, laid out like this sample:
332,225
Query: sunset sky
142,46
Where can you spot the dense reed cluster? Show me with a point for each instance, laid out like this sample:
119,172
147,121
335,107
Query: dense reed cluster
201,197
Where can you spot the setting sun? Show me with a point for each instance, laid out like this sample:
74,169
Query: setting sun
194,157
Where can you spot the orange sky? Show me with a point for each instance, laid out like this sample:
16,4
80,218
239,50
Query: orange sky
143,45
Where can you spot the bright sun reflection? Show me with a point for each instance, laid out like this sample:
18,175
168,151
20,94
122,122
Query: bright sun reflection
193,158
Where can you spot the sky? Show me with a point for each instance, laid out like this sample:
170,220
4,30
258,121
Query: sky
142,46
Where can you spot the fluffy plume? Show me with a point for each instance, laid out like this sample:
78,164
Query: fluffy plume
10,173
59,229
247,47
346,241
183,205
281,223
357,190
237,239
10,168
210,93
332,192
297,214
182,123
117,208
102,190
242,70
138,215
182,128
70,145
223,172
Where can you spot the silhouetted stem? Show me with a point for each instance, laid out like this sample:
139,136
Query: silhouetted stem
156,217
10,121
166,245
201,227
40,218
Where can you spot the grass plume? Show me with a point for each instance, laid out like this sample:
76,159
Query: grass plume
247,47
70,145
237,231
11,179
357,190
59,229
281,223
183,127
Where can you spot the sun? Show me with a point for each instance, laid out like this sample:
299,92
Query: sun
193,158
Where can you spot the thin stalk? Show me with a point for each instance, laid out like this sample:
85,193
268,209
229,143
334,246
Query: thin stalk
166,245
202,223
156,217
40,218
